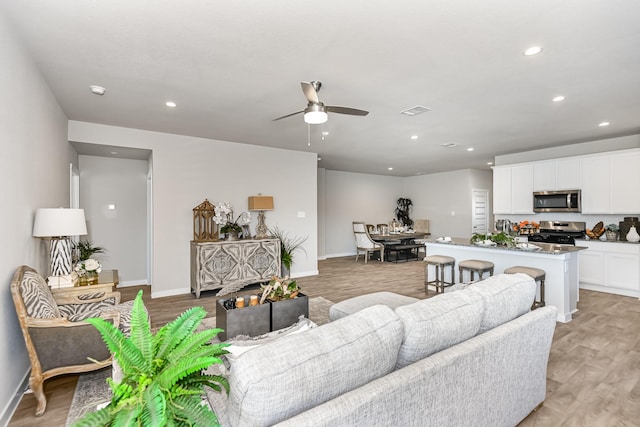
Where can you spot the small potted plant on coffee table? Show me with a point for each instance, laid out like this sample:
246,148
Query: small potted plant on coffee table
287,302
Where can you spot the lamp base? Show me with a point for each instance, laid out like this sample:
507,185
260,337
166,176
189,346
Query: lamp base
60,263
261,229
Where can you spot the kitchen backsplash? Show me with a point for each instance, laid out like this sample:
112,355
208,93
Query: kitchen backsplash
590,220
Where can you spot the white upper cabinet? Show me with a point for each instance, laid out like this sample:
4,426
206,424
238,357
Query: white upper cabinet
544,176
625,178
522,189
513,189
568,176
561,174
595,185
502,190
609,182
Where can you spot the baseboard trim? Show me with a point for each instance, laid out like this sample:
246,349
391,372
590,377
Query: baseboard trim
12,405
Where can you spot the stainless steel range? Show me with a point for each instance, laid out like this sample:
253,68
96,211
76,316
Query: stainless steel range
559,232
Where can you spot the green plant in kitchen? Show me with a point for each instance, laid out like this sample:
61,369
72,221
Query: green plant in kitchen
163,375
502,238
612,227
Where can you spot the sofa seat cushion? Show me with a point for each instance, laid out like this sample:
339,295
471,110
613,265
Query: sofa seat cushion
290,375
352,305
37,297
506,296
437,323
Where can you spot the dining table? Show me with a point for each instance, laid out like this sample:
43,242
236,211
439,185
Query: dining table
404,238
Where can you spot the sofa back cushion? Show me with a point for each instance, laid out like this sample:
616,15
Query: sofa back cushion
37,297
435,324
290,375
506,296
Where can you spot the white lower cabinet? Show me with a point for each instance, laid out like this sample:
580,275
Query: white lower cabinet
610,267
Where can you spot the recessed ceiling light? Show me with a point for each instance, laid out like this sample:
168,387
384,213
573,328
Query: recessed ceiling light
319,158
470,149
489,163
414,137
390,169
113,152
558,98
98,90
170,104
533,50
325,133
603,124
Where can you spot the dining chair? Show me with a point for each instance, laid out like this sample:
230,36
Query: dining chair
365,243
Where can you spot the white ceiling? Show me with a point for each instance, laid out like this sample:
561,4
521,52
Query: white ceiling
234,66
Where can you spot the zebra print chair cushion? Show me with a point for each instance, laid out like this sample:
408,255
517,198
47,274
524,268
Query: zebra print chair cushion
37,297
77,312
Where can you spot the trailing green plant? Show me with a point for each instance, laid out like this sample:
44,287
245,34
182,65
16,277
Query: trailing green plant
163,375
288,245
403,208
501,238
85,249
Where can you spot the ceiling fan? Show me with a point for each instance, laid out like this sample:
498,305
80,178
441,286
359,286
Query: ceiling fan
316,111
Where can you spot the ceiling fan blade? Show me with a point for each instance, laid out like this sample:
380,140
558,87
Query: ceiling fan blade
288,115
346,110
310,92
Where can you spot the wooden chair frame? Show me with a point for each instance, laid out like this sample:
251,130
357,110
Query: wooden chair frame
80,340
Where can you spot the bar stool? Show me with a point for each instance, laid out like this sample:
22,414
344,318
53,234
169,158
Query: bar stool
439,262
537,274
475,266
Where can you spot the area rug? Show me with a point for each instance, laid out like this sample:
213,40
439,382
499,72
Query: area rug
92,389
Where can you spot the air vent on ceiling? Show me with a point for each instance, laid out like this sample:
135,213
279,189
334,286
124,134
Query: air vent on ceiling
413,111
449,145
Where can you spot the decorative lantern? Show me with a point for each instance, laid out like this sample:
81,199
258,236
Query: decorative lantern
204,228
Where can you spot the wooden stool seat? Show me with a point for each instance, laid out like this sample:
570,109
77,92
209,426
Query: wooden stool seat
537,274
475,266
439,262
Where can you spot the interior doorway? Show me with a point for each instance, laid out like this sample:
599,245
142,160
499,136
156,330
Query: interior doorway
480,211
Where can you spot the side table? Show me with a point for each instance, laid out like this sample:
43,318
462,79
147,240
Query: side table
70,294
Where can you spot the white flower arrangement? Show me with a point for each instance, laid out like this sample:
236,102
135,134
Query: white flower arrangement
88,266
224,216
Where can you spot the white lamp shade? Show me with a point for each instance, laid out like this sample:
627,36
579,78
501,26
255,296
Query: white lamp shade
58,222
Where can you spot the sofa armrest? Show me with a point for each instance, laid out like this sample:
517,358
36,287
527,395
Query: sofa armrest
89,297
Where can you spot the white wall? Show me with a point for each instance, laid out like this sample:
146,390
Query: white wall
34,173
123,230
356,197
445,199
186,170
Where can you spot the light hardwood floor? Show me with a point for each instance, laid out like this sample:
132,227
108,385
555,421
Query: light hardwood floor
593,377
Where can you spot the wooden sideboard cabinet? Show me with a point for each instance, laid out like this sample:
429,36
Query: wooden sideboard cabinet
231,265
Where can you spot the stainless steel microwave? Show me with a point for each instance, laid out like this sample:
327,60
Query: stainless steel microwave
557,201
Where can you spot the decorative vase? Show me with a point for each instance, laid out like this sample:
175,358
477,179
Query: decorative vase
232,235
632,235
87,279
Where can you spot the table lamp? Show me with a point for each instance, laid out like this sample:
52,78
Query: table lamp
59,224
261,204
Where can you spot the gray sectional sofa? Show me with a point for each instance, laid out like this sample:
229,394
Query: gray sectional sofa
473,357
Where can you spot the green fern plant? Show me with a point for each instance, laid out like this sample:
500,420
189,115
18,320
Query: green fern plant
163,376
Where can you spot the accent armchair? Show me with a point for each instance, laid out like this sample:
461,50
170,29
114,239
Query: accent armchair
58,341
365,243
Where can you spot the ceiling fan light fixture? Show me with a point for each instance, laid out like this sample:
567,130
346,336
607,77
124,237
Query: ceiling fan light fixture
315,114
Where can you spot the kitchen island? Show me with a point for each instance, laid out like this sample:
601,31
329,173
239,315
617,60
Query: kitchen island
559,262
